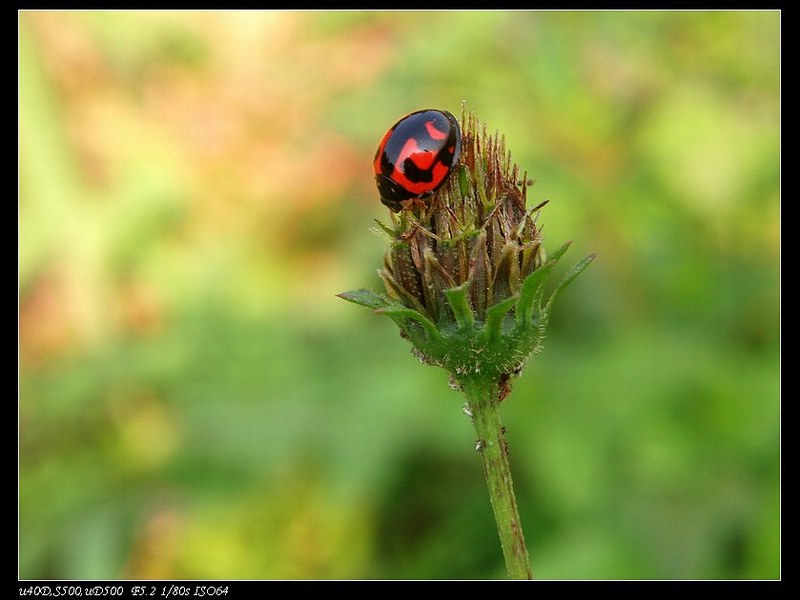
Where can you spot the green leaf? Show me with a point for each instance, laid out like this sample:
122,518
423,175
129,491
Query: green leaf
574,271
560,251
367,298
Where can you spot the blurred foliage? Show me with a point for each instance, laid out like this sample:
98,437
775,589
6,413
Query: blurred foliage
194,402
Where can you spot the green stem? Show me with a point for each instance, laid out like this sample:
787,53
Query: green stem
483,399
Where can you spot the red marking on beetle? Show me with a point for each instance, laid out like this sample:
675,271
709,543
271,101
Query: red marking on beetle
423,159
433,132
438,174
376,164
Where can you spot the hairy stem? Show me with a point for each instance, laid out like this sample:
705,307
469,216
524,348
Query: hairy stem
483,399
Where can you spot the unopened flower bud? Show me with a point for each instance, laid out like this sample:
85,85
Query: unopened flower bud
465,266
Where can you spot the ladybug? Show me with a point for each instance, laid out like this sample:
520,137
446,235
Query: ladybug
415,157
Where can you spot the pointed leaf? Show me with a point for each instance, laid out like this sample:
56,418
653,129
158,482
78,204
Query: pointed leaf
574,271
366,298
560,251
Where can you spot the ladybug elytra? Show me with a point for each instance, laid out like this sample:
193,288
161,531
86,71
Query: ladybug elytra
416,156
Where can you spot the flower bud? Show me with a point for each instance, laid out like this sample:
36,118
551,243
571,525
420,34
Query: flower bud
476,229
465,266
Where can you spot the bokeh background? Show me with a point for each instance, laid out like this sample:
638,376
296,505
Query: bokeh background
195,402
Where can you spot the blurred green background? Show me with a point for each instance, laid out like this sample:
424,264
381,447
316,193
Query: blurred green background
195,402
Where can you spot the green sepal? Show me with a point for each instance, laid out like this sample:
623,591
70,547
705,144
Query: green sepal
487,346
494,319
457,297
401,315
531,293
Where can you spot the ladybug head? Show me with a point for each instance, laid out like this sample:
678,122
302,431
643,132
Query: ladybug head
392,194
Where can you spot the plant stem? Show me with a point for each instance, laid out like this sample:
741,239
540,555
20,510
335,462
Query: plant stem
483,399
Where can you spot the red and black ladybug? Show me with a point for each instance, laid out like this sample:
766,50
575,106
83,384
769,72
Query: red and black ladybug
416,156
